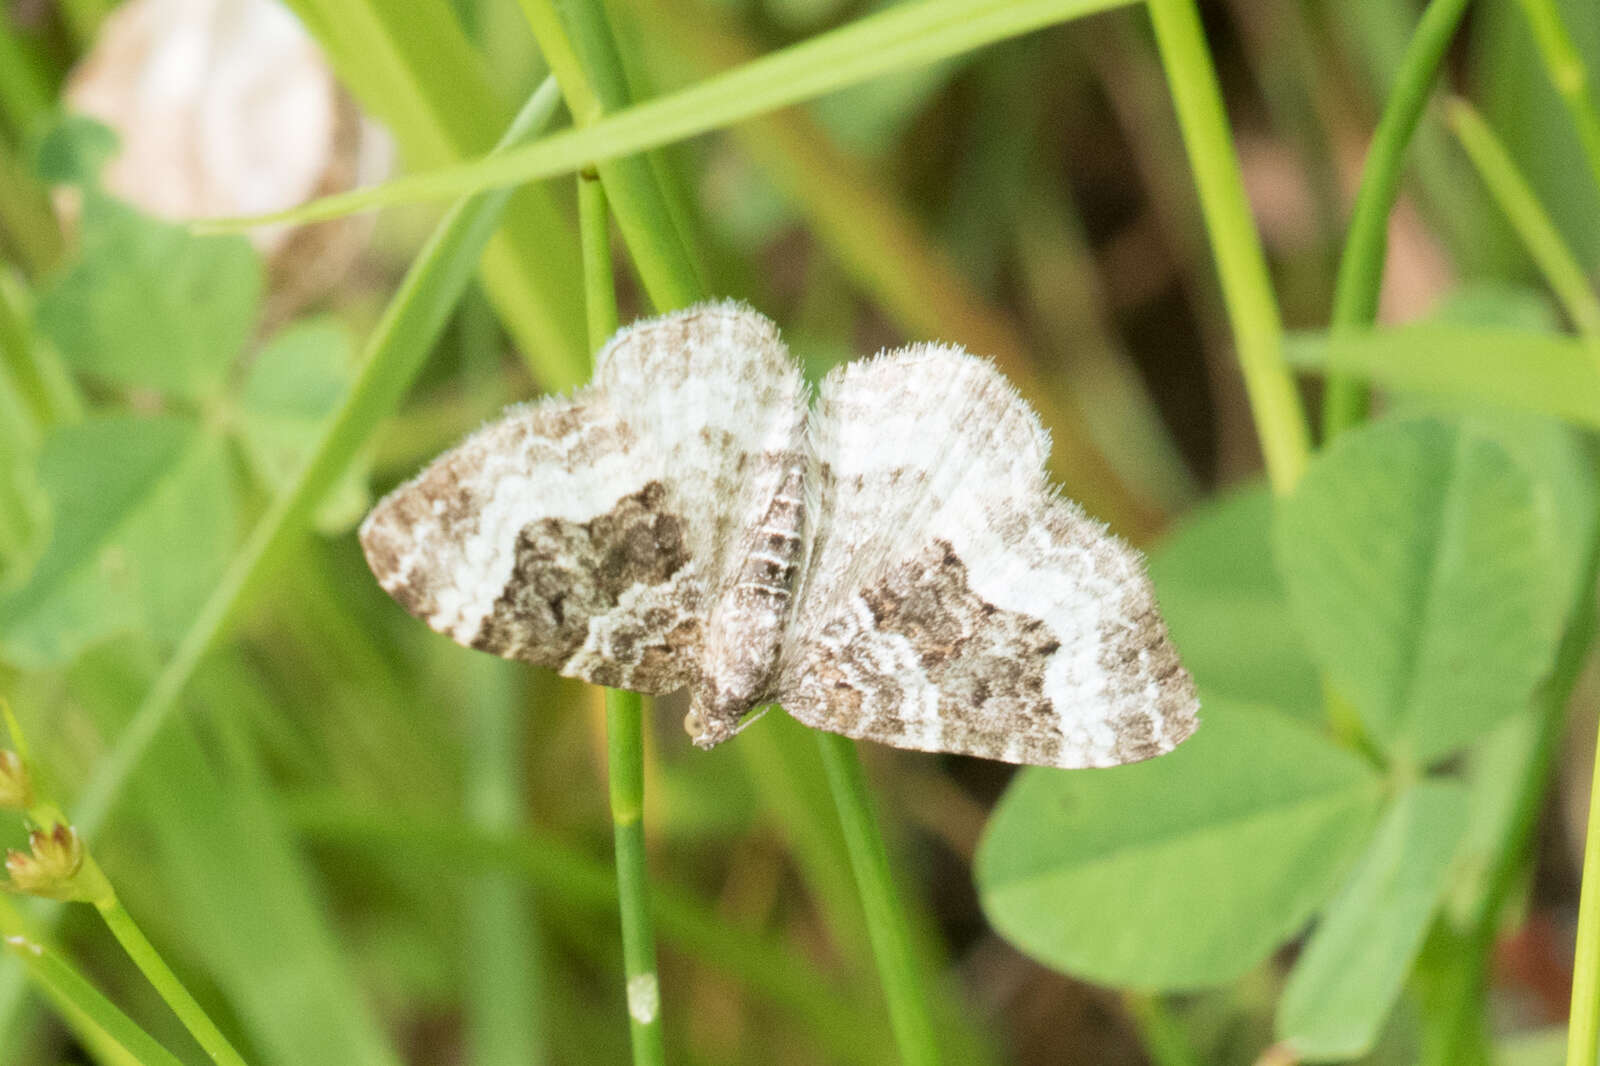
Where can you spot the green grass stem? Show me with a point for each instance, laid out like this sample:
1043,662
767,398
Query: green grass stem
1532,222
109,1030
885,919
1236,245
394,355
594,228
166,983
1568,73
891,940
1355,295
599,85
97,890
1583,1019
625,758
624,710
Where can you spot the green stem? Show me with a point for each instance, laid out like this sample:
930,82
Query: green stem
594,228
395,354
891,941
1528,217
584,58
1241,263
166,983
1355,296
1566,68
1163,1038
624,710
1583,1023
90,1013
625,754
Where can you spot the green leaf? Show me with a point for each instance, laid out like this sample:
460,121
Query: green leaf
1527,370
1226,608
1418,558
142,522
148,305
1352,969
1183,871
292,386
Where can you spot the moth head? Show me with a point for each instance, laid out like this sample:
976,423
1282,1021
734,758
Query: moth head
709,723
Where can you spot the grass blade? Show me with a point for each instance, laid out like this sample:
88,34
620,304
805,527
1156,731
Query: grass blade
899,38
91,1012
1516,198
891,942
1529,371
1355,298
1246,284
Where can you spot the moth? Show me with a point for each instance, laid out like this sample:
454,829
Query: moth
890,563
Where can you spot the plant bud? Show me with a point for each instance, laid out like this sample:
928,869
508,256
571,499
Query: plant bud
52,865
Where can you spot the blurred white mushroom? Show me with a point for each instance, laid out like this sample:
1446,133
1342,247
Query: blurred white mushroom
227,107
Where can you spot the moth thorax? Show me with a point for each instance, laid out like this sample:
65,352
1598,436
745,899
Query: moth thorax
746,625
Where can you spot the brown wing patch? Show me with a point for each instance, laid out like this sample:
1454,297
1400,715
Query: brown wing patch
567,573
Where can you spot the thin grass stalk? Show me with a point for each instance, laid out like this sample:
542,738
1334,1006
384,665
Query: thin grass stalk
1583,1019
111,1032
600,291
1241,263
625,758
166,983
1355,294
1564,63
91,885
891,941
624,710
1521,206
593,80
665,257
